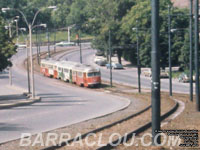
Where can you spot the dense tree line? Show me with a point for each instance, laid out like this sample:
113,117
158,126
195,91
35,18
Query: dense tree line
98,17
7,47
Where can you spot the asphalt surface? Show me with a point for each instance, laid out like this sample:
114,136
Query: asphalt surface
128,76
61,105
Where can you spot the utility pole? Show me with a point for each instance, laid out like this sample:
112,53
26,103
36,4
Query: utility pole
197,53
10,69
80,47
31,58
54,40
48,44
27,66
68,35
37,45
110,59
191,51
16,20
169,50
40,42
155,63
138,60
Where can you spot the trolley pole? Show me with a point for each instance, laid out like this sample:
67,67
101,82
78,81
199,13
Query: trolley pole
197,53
155,62
110,59
169,50
191,51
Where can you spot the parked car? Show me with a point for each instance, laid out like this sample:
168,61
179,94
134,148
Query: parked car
184,77
101,62
99,53
164,74
114,66
98,58
147,73
63,43
21,46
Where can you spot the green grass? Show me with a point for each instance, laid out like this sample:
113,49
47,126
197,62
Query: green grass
176,74
60,36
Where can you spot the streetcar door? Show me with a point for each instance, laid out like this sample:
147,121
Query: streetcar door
70,76
84,78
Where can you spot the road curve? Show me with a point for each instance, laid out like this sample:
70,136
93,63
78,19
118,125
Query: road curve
128,76
62,104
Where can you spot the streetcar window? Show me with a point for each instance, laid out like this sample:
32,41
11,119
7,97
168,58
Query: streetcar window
59,69
66,70
43,65
74,73
80,74
90,74
96,73
50,67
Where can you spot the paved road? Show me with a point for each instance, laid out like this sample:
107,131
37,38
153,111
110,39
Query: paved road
62,104
127,76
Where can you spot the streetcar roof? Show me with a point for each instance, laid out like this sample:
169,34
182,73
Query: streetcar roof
49,61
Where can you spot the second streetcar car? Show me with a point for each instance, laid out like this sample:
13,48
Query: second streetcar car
80,74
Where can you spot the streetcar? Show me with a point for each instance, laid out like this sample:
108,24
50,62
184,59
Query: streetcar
86,75
73,72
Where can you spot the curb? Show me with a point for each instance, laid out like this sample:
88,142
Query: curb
137,131
21,103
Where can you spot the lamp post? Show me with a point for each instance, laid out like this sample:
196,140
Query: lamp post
197,54
30,27
138,60
155,63
27,64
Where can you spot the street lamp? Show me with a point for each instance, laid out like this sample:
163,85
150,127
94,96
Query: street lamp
30,27
138,60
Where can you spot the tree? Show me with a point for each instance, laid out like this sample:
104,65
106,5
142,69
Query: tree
142,13
108,16
7,47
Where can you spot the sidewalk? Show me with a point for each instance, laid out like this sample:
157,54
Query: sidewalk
11,96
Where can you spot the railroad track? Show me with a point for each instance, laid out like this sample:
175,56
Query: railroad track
126,137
